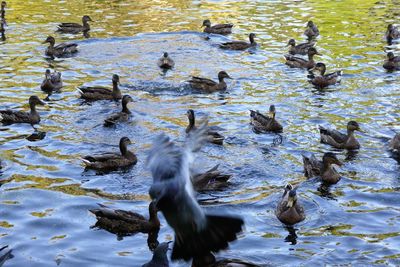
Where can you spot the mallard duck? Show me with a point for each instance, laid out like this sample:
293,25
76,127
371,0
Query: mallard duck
289,211
52,82
112,161
217,28
298,62
240,45
165,62
212,135
160,258
6,256
101,93
32,117
211,180
262,123
75,27
210,86
301,49
210,261
324,168
312,30
340,140
122,116
322,80
124,223
392,62
392,33
61,50
394,144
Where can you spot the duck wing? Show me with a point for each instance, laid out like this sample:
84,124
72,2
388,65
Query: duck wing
14,116
118,117
66,48
291,58
312,166
235,45
210,180
332,137
206,81
222,26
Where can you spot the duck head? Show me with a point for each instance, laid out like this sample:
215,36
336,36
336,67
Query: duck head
50,40
310,24
272,111
291,42
353,126
390,56
313,51
206,23
115,79
124,142
320,68
251,37
330,158
3,4
223,75
85,19
34,101
165,55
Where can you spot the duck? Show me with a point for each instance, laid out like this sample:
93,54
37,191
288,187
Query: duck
210,180
311,30
212,135
394,144
392,33
209,260
112,161
52,82
262,123
392,62
125,223
340,140
301,49
75,27
11,116
314,167
289,211
60,50
122,116
209,86
160,257
223,29
101,93
298,62
322,80
240,45
165,62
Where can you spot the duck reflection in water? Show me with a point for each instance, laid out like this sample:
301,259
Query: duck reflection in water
325,191
292,237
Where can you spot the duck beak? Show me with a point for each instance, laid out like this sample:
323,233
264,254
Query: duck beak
360,130
42,103
319,54
229,77
44,42
339,163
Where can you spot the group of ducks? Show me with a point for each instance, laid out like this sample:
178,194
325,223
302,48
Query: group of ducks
289,211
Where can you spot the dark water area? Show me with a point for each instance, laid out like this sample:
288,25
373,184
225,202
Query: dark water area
45,193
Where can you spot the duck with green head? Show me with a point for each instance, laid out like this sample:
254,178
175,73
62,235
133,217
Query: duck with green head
75,27
263,123
122,116
314,167
12,116
289,211
240,45
298,62
392,62
60,50
339,140
300,49
94,93
321,80
223,29
209,86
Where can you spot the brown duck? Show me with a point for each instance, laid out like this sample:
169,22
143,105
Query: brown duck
223,29
166,62
122,116
394,144
301,49
210,86
324,168
340,140
321,80
212,136
289,211
298,62
262,123
101,93
211,180
75,27
240,45
124,223
392,33
392,62
311,30
60,50
52,82
112,161
32,117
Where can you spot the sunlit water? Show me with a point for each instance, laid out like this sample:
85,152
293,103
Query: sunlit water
45,193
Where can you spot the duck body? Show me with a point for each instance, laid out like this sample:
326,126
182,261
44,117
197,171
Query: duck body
209,86
314,167
222,29
300,49
392,33
239,45
211,180
289,211
101,93
262,123
160,258
60,50
394,144
165,62
75,27
392,62
322,80
311,30
52,82
211,135
32,117
112,161
339,140
122,116
298,62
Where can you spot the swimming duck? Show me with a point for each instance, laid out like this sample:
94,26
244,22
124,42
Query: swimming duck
301,49
112,161
75,27
218,28
262,123
392,33
394,144
210,86
160,258
32,117
340,140
324,168
312,30
392,62
240,45
298,62
322,80
124,223
211,180
289,211
122,116
210,261
101,93
212,136
61,50
165,62
52,82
